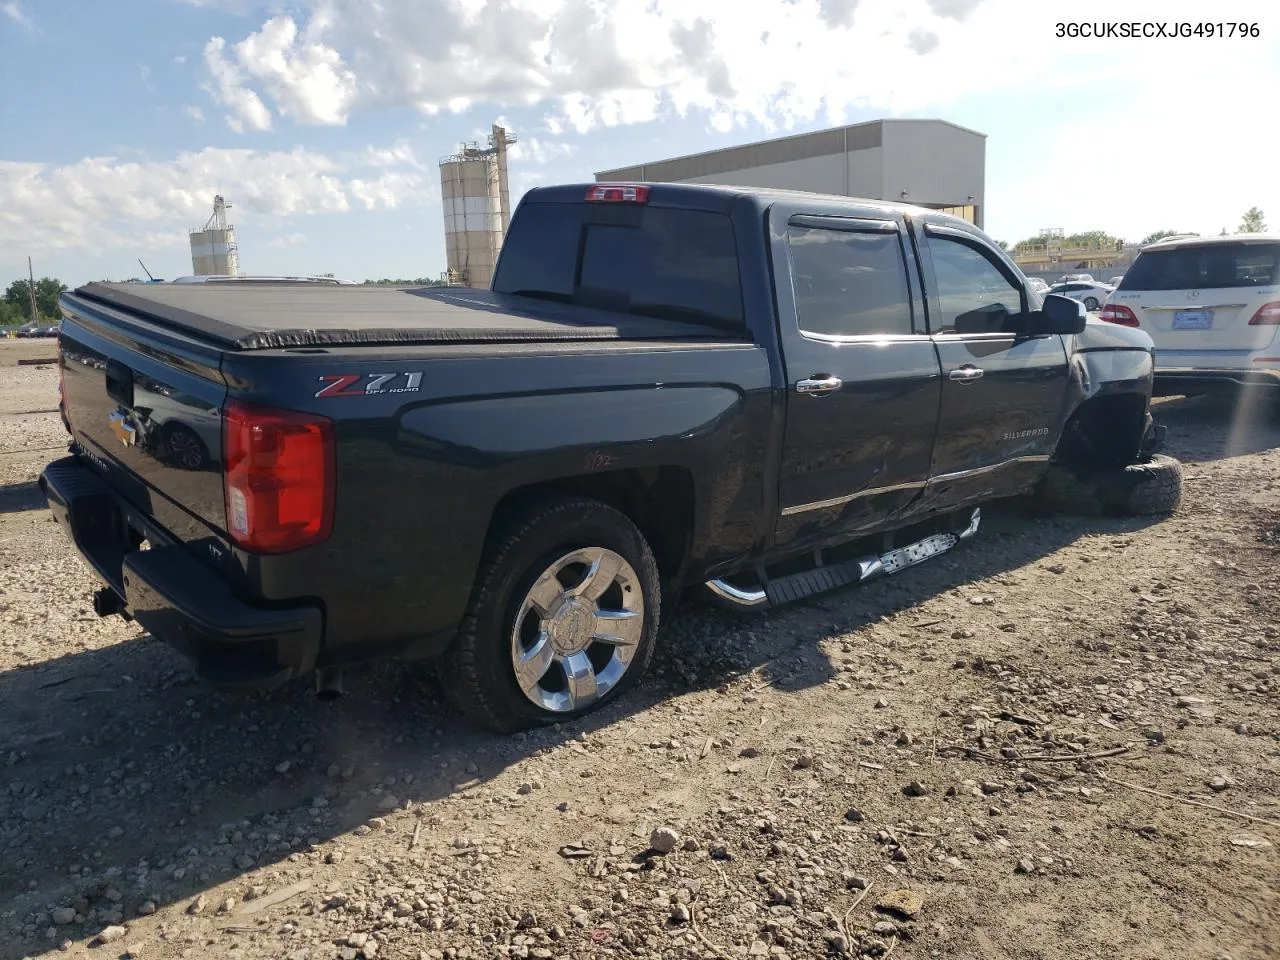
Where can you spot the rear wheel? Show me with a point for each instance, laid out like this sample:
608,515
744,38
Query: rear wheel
1091,304
562,620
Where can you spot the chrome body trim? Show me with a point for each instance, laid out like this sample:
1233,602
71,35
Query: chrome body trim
913,485
849,498
817,386
736,595
990,468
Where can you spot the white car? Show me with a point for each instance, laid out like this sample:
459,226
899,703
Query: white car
1091,293
1038,285
1212,306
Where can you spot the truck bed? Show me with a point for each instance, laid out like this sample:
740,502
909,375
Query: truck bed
263,316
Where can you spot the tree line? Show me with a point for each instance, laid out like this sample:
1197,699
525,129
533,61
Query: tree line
1253,221
15,308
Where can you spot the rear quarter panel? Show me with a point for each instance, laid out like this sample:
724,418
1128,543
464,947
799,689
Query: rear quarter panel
421,472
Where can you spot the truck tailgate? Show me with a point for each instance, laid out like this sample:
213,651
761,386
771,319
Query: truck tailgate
145,409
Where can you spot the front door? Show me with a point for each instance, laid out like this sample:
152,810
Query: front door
1003,393
862,373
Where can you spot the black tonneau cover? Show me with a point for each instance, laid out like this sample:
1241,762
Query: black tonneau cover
263,316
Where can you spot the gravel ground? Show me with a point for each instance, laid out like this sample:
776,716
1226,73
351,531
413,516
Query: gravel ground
1062,740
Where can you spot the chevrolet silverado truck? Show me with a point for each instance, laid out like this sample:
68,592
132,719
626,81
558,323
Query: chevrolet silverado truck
761,394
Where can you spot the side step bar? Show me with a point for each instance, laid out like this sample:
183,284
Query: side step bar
821,579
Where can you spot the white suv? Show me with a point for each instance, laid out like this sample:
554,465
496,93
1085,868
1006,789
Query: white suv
1212,306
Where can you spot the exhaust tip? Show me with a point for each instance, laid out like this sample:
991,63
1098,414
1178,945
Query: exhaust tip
329,684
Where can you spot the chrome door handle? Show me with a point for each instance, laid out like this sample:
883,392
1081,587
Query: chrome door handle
966,374
819,385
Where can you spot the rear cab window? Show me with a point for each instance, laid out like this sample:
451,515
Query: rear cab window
1206,267
670,263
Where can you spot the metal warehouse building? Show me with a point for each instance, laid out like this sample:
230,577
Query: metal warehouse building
931,163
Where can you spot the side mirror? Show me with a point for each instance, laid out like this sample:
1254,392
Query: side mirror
1059,314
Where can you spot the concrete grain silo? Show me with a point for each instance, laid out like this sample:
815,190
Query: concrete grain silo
213,249
477,208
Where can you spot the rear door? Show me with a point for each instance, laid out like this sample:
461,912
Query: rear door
862,374
1200,303
1003,394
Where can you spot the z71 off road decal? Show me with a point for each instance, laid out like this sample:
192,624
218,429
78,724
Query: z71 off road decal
367,384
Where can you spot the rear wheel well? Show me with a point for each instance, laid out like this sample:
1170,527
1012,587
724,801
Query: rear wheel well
1105,430
658,500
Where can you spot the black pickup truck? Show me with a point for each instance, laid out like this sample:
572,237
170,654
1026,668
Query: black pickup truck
767,393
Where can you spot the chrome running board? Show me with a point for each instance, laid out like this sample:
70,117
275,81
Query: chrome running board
821,579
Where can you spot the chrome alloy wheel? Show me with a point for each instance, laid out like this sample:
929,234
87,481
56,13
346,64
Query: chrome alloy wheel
577,630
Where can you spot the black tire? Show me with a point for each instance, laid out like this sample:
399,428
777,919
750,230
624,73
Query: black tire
1091,304
477,669
1152,487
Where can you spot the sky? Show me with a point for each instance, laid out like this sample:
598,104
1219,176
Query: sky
323,121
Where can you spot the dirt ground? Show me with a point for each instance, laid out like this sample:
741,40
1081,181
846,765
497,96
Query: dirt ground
1061,740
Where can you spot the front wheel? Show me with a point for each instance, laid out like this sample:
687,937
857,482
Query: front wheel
1091,304
1151,487
562,620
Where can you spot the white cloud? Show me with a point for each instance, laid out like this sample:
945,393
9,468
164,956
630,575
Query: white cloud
535,150
247,108
398,154
105,201
922,41
777,63
390,189
13,10
955,9
286,240
194,112
306,79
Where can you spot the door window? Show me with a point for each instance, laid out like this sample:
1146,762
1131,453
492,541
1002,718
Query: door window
973,293
849,283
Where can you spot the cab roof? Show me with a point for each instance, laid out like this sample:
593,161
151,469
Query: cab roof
712,196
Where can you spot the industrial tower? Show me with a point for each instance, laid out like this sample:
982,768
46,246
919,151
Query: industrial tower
213,248
477,208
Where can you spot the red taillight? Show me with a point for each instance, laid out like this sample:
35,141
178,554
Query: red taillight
1268,315
279,478
1117,313
618,193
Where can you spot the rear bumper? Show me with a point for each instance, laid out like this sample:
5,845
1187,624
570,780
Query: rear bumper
1175,380
176,598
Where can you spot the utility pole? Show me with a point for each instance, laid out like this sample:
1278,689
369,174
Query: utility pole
31,291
